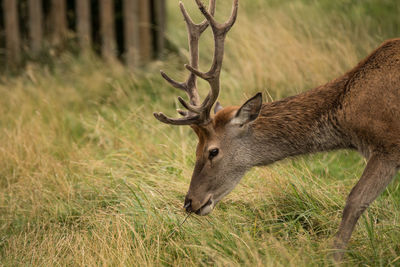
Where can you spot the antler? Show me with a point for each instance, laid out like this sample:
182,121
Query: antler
200,113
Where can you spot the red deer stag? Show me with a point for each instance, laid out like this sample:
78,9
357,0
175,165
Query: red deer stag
360,110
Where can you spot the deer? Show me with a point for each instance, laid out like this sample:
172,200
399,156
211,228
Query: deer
359,111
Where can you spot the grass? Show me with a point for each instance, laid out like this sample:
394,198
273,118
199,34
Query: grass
89,177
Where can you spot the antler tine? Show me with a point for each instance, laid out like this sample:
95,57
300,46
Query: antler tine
212,76
188,120
211,20
203,26
232,19
172,82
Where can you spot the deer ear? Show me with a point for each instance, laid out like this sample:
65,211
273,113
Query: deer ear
217,107
249,111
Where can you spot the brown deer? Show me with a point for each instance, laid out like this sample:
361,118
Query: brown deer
360,110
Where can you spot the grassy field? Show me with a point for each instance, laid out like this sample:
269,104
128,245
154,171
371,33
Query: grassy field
89,177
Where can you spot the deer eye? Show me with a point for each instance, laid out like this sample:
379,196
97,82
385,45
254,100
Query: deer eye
212,153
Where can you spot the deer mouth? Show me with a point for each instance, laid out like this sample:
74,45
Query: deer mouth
206,208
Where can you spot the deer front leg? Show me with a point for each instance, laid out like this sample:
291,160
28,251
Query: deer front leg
377,175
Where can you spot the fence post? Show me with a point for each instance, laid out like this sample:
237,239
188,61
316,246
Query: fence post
35,25
146,47
160,21
83,26
107,29
59,21
12,33
131,32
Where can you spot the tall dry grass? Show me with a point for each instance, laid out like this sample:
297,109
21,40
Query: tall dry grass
88,176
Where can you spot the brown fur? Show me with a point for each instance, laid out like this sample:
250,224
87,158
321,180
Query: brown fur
223,117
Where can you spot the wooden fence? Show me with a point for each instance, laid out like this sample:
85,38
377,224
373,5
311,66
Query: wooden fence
130,30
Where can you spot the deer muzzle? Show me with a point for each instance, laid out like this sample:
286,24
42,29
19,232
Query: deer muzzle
200,208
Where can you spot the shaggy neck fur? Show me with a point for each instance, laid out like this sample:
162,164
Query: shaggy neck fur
300,124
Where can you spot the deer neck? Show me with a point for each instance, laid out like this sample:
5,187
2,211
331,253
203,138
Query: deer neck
306,123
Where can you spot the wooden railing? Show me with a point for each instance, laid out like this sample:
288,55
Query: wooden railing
129,30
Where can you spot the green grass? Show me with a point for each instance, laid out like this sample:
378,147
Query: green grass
89,177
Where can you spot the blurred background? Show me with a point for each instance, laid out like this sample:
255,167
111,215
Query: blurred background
89,177
129,30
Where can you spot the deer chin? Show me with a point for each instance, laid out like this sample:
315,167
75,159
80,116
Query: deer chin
206,208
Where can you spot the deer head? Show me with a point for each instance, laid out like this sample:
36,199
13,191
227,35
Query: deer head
222,154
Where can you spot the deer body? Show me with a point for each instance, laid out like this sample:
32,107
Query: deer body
360,110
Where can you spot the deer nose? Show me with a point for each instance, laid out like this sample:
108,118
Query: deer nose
188,204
